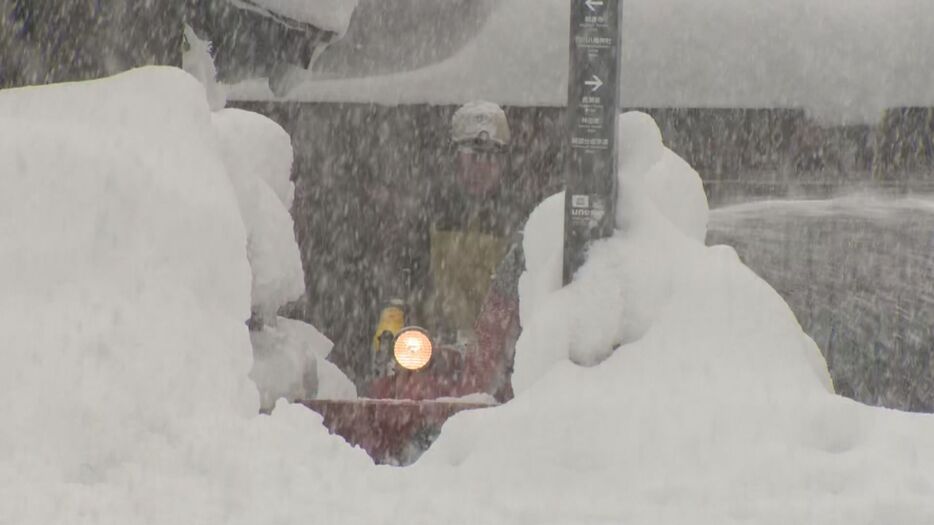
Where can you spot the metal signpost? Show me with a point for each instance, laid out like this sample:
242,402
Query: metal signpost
593,107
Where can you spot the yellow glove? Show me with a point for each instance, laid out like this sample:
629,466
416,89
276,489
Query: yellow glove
391,320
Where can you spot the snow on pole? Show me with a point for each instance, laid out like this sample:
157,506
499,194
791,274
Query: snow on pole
593,106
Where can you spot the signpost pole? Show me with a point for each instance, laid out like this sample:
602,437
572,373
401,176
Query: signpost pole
593,107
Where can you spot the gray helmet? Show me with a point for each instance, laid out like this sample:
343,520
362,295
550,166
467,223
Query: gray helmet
480,120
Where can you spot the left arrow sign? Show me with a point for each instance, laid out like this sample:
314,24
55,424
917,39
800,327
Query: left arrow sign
593,5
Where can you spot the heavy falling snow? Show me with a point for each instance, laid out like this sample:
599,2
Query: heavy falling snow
707,365
126,389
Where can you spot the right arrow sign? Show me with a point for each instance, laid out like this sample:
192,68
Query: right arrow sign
594,83
593,107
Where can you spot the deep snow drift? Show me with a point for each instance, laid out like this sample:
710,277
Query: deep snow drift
125,396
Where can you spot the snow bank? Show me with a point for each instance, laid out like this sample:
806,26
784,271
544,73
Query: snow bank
125,288
257,148
289,357
124,387
656,188
290,363
123,273
670,183
847,61
258,156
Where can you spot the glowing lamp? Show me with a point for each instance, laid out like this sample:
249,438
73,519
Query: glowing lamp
413,348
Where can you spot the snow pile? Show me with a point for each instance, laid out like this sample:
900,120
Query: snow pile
673,186
631,280
198,61
257,153
124,387
289,356
125,356
331,15
290,363
122,266
659,188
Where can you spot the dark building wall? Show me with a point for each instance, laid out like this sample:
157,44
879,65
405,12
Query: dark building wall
719,142
65,40
762,152
905,146
738,152
46,41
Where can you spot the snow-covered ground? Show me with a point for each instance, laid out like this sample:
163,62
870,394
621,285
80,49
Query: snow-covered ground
125,394
844,61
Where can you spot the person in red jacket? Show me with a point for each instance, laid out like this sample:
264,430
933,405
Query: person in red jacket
476,260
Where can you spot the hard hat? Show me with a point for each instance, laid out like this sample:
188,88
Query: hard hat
483,121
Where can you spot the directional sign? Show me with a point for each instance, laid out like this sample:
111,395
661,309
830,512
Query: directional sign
593,5
593,106
594,83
